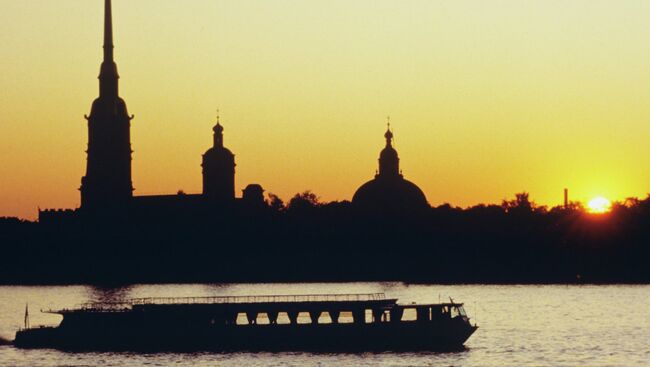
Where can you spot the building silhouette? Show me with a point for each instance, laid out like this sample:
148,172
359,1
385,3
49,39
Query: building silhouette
253,194
116,237
107,183
389,191
107,190
218,169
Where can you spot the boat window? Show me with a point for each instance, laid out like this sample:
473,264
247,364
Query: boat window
409,314
242,319
369,317
346,318
325,318
461,311
262,319
283,318
455,311
304,318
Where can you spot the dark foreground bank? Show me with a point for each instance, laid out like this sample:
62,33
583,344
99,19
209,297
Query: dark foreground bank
311,241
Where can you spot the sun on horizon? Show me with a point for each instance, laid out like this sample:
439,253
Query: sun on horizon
599,205
511,95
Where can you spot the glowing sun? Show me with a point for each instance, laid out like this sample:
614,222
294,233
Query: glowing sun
599,204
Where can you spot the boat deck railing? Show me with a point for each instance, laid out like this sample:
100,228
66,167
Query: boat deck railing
352,297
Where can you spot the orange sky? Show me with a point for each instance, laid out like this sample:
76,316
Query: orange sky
486,98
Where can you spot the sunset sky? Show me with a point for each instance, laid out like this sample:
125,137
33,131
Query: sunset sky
486,98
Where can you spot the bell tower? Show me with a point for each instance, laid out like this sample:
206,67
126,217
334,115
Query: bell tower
107,183
218,169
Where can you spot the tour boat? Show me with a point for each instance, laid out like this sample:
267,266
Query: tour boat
325,322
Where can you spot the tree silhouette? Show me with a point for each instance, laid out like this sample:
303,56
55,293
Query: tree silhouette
521,203
275,203
304,201
310,240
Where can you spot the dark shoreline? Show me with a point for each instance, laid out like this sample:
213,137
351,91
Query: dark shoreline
308,241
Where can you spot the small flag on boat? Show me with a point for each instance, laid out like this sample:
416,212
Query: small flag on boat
26,315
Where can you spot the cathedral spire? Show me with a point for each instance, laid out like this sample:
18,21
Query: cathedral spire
108,31
108,74
107,184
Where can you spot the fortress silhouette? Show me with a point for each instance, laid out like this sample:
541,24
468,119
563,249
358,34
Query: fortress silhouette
387,232
107,189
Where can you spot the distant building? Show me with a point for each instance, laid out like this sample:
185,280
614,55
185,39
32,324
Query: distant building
107,186
389,190
107,183
253,195
218,169
107,190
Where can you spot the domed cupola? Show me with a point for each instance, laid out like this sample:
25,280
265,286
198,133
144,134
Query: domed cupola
388,158
218,168
218,134
389,191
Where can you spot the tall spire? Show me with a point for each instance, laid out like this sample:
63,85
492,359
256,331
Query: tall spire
108,75
107,184
108,31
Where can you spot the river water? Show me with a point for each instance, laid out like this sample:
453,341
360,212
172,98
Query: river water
547,325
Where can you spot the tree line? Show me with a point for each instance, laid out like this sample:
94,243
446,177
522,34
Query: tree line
306,239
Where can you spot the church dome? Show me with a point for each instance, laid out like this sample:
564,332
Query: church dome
389,191
395,194
218,152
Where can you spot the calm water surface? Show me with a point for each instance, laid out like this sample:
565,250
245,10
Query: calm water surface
519,325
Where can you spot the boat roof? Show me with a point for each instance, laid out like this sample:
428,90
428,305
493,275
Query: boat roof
211,300
292,301
287,298
431,305
248,300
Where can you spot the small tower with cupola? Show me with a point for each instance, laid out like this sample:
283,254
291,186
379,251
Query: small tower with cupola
388,158
218,169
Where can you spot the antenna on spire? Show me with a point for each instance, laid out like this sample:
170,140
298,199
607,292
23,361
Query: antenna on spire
218,115
388,121
108,31
108,76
